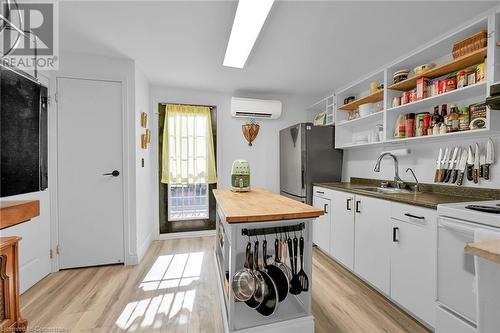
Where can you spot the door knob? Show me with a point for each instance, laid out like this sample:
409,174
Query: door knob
115,173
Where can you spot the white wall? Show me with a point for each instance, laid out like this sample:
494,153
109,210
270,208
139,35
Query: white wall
34,247
263,156
422,159
144,181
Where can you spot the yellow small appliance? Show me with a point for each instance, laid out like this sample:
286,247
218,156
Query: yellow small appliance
240,176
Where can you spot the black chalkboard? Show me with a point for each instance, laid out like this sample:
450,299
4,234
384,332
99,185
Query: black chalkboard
20,134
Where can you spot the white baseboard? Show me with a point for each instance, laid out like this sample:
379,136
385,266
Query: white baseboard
131,260
141,251
187,234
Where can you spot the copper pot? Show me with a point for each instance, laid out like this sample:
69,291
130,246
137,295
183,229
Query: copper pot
250,132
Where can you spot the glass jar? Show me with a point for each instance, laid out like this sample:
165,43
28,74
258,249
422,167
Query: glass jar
410,125
464,119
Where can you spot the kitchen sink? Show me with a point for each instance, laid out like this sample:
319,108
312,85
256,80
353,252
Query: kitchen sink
386,190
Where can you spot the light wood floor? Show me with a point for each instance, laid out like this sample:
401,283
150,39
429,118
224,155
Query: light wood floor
145,298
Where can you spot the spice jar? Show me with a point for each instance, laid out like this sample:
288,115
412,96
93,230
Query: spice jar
435,129
400,127
450,83
427,123
453,119
443,129
480,72
464,119
461,79
410,125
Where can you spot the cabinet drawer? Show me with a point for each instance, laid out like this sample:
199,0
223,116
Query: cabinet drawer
320,191
413,214
447,322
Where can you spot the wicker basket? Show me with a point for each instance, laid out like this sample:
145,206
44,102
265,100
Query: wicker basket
470,44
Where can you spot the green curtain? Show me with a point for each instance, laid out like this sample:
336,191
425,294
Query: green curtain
188,147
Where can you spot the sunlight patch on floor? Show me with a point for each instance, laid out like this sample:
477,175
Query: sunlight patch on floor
175,274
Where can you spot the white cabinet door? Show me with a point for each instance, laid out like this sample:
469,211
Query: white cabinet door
413,269
342,229
321,226
372,243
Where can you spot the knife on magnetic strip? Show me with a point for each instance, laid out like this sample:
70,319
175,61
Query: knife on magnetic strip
470,163
442,169
454,167
490,158
449,165
462,166
475,170
438,165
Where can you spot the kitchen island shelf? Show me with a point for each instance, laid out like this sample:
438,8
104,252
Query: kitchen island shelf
237,224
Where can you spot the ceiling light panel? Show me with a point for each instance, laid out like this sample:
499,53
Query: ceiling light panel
248,21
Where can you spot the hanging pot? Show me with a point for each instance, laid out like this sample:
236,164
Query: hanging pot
250,132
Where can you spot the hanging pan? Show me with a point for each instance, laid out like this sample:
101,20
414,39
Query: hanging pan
276,271
270,301
260,283
243,282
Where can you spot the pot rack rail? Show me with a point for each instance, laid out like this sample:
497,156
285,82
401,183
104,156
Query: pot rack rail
273,230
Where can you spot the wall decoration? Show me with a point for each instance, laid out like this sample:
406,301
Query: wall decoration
250,132
144,119
148,136
144,142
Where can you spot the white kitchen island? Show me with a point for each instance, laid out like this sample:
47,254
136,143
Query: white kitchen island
261,214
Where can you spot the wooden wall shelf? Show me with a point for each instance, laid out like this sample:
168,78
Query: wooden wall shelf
372,98
471,59
15,212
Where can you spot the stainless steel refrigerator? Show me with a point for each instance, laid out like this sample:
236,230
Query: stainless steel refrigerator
307,156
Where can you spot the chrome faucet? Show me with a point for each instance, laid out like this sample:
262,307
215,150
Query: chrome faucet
398,182
416,186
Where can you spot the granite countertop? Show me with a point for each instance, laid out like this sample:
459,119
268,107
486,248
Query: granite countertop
429,196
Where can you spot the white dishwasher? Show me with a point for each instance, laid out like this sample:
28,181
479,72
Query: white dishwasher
456,295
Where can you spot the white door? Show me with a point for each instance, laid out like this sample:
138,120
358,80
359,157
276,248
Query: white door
413,268
321,226
372,242
89,145
342,230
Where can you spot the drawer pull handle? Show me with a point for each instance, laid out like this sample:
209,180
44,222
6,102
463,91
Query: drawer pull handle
325,208
357,206
395,232
320,192
349,204
415,216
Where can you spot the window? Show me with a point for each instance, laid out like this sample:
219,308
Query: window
187,202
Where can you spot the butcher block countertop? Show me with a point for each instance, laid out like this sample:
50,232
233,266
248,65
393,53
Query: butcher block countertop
259,205
489,249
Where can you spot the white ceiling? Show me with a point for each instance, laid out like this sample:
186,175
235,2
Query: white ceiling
305,48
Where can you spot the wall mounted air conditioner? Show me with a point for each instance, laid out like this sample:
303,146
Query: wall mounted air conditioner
255,108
